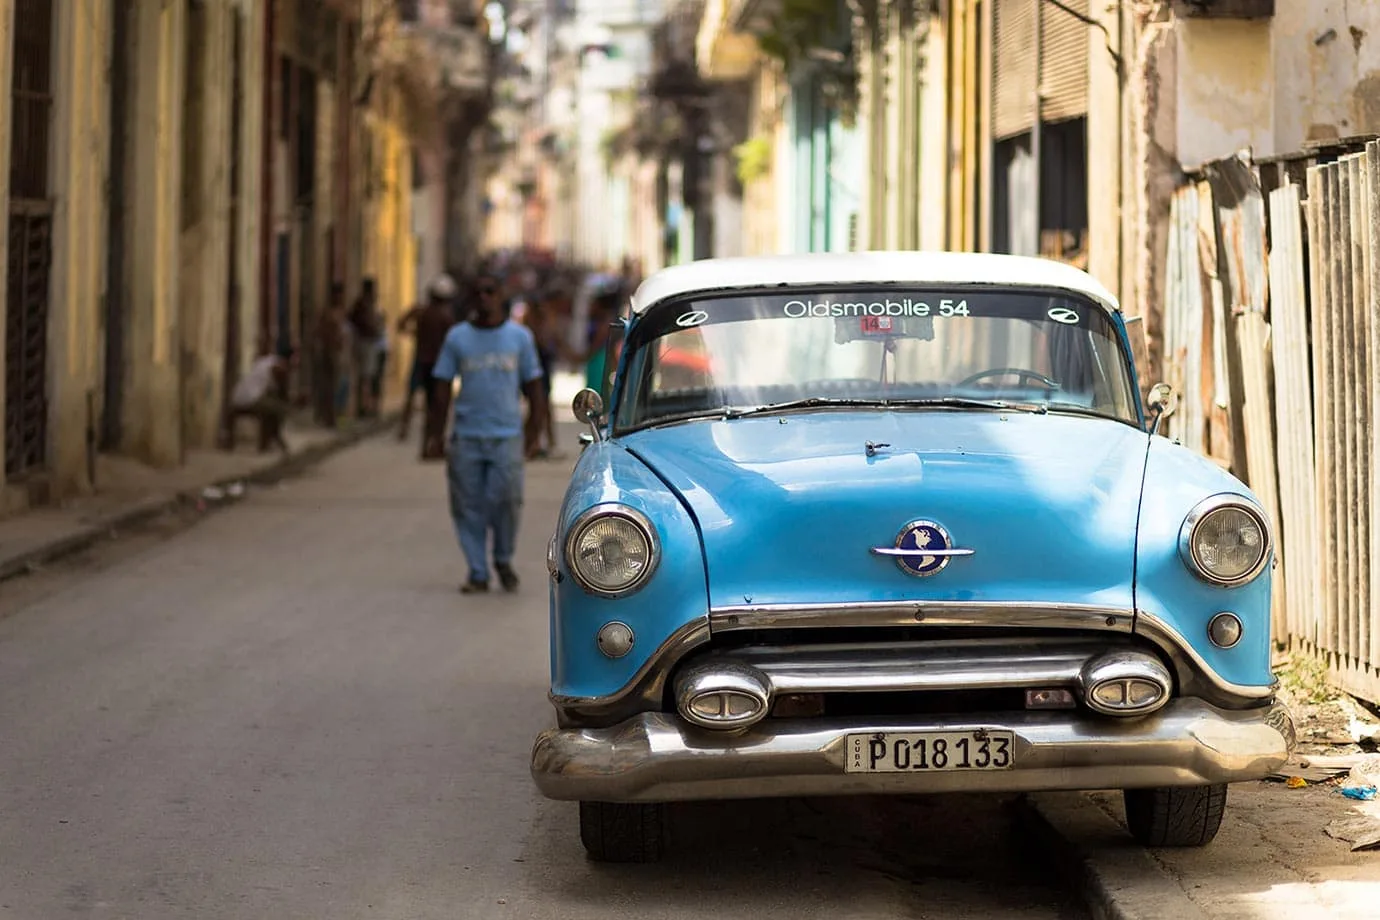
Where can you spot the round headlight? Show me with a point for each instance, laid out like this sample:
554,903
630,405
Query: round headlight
1226,542
611,550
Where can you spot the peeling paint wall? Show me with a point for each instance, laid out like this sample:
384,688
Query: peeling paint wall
1311,72
1225,78
8,497
77,283
1327,70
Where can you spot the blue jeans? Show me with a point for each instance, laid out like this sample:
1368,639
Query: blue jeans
485,476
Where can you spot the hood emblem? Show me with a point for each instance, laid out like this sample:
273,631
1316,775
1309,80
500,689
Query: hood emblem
922,548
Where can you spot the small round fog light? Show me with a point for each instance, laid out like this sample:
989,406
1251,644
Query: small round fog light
615,639
1225,630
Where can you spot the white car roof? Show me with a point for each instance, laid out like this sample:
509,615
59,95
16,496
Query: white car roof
866,268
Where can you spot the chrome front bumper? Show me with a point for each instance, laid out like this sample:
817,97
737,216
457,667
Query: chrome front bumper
658,757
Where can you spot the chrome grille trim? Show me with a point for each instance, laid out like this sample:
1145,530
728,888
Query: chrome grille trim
1014,615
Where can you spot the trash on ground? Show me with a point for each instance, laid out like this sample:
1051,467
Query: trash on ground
1363,833
1296,782
213,493
1360,793
1311,773
235,489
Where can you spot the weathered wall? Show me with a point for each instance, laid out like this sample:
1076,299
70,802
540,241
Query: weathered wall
1312,72
205,279
1107,152
249,208
933,138
152,409
1326,58
77,282
7,498
1225,79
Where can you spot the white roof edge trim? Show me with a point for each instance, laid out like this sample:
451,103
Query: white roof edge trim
708,276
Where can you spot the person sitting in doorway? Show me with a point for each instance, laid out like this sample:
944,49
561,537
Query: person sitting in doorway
262,394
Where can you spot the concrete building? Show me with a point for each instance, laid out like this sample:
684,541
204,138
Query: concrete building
170,211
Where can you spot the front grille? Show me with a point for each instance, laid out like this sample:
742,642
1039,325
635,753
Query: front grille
889,704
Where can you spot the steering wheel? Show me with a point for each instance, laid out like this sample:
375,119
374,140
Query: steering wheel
1021,373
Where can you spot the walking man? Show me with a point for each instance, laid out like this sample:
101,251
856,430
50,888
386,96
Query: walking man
428,323
495,359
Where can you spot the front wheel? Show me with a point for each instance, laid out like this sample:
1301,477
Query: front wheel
622,833
1175,816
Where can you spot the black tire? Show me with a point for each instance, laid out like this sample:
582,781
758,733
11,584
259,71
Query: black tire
620,833
1175,816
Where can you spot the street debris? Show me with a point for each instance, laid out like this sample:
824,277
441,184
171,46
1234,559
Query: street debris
1362,832
1360,793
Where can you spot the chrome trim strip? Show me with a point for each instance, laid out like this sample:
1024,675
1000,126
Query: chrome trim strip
946,664
657,757
613,509
892,551
1191,666
644,690
1018,614
1203,509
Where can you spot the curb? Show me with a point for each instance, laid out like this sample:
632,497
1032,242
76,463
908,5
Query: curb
145,511
1114,876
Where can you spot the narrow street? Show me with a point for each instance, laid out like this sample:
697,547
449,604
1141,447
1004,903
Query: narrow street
288,711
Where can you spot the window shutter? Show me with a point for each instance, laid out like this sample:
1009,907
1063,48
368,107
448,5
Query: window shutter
1013,67
1063,62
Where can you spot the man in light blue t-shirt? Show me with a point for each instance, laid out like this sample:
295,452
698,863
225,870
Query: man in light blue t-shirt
496,361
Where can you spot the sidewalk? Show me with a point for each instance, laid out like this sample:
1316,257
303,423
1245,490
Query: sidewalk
1276,855
130,493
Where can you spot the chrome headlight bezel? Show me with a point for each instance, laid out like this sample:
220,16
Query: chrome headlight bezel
1195,519
600,512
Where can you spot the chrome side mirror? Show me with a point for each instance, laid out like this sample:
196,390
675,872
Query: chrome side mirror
1162,401
588,405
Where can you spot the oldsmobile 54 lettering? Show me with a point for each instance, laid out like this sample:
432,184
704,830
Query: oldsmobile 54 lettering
904,526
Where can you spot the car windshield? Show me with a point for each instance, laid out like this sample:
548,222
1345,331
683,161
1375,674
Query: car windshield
1014,349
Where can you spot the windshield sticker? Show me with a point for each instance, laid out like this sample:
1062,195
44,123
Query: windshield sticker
1063,315
693,318
797,309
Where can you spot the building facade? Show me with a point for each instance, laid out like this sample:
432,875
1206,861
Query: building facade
183,181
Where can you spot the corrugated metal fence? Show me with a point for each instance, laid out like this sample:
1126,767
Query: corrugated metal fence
1272,335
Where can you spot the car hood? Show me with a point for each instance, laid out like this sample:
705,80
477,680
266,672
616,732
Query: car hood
790,506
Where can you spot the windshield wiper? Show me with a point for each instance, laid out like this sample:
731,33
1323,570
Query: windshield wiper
1076,409
964,402
810,402
687,416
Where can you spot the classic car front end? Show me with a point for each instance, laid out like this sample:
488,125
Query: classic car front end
906,530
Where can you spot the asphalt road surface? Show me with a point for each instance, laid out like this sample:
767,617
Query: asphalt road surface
289,712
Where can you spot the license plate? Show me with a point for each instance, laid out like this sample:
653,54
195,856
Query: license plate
929,752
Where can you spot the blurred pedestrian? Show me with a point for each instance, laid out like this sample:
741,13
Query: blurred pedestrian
603,311
428,323
366,322
493,357
544,321
262,394
331,356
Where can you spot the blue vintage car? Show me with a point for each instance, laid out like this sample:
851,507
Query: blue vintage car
893,523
